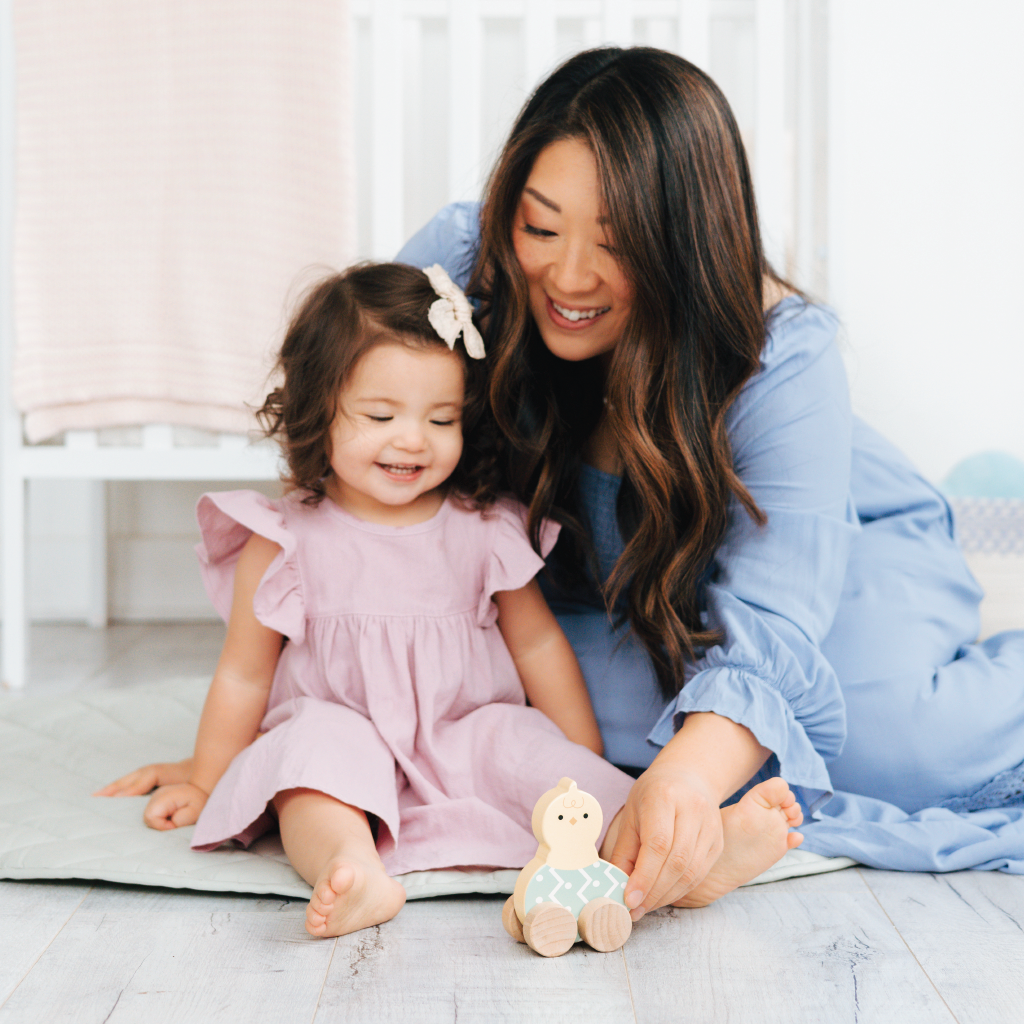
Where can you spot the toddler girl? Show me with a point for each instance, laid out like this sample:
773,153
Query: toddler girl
383,620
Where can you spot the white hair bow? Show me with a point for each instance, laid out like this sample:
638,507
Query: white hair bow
452,314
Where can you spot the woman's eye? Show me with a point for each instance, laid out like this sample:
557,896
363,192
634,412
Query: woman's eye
538,232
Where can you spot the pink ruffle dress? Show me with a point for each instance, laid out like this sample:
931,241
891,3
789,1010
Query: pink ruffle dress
395,692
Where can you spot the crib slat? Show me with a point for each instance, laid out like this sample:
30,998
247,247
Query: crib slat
96,514
158,437
539,40
12,486
386,147
770,171
465,42
693,37
80,439
617,22
805,185
232,442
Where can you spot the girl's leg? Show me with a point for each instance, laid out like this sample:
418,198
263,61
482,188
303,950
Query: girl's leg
331,846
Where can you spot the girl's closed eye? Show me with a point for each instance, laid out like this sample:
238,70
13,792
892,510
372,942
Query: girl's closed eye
531,229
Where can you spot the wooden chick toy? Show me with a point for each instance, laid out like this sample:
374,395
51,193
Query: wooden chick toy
567,893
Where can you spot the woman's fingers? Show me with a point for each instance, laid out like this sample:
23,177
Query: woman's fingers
624,852
664,859
670,834
684,867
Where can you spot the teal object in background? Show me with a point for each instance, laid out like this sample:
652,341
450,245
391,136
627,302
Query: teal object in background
986,475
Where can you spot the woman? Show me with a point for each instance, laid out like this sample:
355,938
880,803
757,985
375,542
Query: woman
755,583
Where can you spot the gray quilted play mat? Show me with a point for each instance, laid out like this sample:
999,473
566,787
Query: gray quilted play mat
56,750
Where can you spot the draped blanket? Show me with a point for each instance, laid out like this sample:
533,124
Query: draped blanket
184,169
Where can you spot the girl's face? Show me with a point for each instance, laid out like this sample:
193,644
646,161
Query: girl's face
397,434
579,295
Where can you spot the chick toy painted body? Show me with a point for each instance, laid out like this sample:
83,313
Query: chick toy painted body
567,893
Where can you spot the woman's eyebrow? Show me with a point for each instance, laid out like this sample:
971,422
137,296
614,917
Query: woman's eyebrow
550,204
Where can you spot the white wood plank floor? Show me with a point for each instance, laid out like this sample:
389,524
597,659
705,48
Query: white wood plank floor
858,945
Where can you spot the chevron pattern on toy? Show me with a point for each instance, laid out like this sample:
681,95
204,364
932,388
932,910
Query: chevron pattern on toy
567,894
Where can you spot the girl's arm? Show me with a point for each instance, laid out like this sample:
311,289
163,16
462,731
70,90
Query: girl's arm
547,664
237,700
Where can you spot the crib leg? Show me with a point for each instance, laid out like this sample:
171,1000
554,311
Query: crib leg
15,624
97,539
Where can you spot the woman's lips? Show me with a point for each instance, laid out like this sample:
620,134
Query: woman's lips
559,320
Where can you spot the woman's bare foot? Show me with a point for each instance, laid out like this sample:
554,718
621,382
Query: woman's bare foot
348,896
756,832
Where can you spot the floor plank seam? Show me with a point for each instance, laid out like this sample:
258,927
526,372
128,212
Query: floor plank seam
42,952
323,984
907,944
629,984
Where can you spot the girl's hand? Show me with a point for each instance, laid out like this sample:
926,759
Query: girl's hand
144,780
670,835
174,806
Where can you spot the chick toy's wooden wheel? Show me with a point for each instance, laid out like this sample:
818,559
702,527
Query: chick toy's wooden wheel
510,919
604,924
549,929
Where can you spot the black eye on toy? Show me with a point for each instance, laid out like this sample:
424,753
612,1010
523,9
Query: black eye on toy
560,817
586,815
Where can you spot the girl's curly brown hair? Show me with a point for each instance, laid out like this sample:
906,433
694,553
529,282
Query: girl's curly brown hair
338,321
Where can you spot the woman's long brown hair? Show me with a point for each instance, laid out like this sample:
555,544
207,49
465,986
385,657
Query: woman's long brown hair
680,206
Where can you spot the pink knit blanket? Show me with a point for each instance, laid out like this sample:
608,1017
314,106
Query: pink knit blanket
184,168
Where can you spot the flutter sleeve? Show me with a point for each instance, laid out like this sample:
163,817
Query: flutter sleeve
776,588
227,520
450,238
512,562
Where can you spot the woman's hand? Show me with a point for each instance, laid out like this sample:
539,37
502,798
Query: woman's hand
174,806
144,780
670,828
670,835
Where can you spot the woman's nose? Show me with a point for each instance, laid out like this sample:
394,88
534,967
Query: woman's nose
573,270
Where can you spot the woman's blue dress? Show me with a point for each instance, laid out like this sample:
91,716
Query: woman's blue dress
850,621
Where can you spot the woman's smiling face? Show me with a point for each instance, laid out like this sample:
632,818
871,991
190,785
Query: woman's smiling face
579,295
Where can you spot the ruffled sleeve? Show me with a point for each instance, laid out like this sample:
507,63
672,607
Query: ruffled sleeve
512,562
776,589
227,520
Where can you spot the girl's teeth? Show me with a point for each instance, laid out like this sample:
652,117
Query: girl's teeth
579,314
400,470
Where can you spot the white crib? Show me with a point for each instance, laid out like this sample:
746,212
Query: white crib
783,130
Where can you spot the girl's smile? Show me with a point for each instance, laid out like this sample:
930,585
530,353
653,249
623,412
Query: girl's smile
397,435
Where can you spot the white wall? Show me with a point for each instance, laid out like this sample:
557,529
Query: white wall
926,219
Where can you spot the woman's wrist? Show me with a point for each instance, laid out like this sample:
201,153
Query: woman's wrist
719,751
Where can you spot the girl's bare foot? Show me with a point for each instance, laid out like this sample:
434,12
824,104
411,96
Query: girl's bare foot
756,832
349,895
